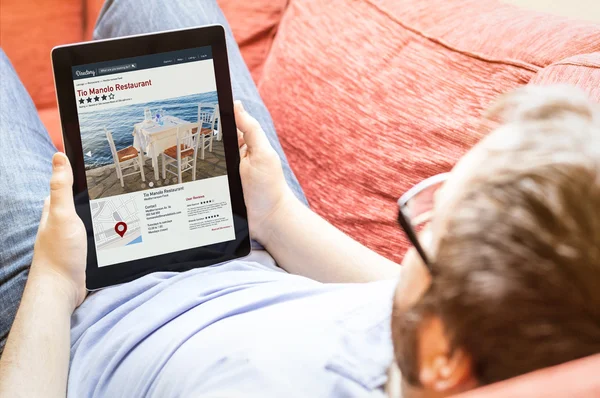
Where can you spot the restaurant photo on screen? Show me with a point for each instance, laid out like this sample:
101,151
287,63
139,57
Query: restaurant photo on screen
154,157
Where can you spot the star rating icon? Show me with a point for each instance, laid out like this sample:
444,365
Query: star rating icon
89,99
111,96
96,99
81,101
104,97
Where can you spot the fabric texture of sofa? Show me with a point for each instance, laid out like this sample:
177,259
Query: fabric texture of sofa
368,97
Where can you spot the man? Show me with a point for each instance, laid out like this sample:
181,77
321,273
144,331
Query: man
512,247
515,249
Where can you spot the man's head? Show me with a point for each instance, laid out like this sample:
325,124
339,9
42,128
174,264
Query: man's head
515,250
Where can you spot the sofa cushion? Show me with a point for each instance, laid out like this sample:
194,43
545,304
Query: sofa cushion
582,71
92,11
254,24
370,97
27,34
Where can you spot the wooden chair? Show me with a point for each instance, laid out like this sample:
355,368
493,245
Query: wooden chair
207,115
125,158
182,156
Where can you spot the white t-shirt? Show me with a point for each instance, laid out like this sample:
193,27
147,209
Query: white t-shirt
244,328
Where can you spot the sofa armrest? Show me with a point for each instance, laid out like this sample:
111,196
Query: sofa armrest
575,379
582,71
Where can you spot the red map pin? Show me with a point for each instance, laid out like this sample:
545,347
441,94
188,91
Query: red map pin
120,228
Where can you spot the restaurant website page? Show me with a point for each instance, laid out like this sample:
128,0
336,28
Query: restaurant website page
154,156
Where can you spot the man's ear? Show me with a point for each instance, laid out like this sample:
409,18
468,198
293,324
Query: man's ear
442,370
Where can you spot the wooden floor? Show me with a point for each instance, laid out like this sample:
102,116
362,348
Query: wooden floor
103,182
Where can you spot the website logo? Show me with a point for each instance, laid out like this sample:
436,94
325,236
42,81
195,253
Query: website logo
86,72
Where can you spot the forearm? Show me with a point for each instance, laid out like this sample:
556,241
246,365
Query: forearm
305,244
35,362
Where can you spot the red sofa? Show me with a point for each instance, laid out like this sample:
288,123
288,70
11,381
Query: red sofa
368,97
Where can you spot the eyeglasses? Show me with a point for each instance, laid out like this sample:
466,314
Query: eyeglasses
416,208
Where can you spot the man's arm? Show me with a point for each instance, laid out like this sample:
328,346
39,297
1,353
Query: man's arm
301,242
35,362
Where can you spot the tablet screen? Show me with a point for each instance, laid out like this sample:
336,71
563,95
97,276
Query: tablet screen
154,158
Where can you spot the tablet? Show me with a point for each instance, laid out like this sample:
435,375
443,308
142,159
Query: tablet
149,129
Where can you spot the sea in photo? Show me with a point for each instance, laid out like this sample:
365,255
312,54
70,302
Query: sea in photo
120,122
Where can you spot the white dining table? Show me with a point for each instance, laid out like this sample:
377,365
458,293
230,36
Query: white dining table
152,138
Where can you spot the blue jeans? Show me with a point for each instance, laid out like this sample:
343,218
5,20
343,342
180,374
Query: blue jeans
26,150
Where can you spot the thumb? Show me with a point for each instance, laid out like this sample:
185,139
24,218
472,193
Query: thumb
253,134
61,183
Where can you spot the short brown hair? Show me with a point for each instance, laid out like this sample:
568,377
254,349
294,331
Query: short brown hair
516,275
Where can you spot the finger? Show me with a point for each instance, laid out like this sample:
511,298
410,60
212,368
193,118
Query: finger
45,211
240,138
243,151
61,183
254,136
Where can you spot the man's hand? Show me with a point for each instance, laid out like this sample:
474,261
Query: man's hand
265,190
60,247
299,240
35,362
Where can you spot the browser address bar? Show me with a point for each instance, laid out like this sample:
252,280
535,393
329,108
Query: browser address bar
117,68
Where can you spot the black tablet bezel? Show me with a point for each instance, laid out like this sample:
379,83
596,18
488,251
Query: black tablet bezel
63,59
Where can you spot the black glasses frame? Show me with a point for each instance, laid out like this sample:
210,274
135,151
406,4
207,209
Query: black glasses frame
404,218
